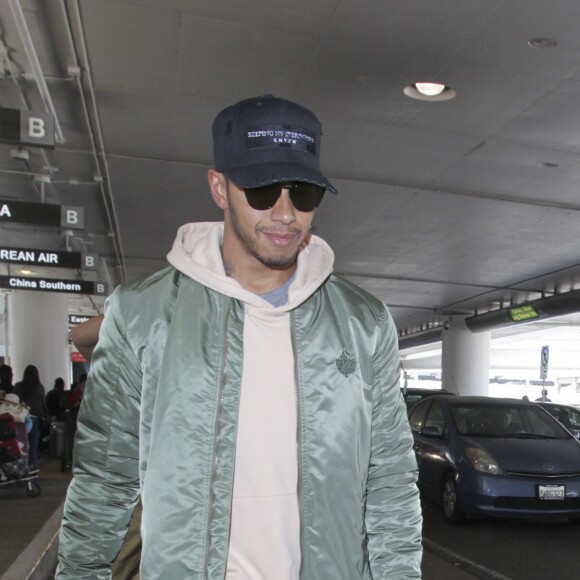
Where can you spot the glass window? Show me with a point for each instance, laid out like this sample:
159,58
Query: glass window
504,420
436,418
574,418
570,418
417,417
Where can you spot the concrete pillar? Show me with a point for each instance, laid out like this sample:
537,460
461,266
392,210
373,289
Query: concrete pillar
38,335
465,359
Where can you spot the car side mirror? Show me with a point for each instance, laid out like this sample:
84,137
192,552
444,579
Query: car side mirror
432,431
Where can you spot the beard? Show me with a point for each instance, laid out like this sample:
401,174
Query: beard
251,245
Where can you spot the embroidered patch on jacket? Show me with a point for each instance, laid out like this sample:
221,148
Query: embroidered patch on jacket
345,364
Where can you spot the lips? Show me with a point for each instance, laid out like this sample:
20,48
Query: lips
280,240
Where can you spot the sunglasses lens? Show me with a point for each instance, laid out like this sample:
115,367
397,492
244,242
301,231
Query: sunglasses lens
263,197
304,196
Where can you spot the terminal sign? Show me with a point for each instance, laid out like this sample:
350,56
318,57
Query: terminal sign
45,214
78,318
32,257
26,127
52,285
524,312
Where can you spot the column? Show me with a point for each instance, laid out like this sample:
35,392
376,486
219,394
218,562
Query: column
465,359
38,335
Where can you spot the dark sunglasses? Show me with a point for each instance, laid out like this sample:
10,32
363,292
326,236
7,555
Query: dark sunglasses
304,196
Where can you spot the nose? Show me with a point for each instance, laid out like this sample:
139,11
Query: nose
284,210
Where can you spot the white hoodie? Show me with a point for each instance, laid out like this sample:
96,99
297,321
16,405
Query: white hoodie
265,523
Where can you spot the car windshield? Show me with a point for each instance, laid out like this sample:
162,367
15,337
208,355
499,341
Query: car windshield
568,416
505,420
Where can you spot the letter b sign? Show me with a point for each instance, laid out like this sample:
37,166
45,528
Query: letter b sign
36,129
90,261
72,217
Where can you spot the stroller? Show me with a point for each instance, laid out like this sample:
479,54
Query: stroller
14,447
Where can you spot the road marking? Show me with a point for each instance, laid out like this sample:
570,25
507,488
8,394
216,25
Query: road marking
470,565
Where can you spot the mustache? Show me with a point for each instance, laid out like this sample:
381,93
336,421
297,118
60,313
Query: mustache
278,231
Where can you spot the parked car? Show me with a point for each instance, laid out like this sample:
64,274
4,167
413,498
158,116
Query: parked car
567,415
497,457
413,395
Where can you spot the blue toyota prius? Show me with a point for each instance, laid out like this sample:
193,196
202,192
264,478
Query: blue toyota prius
497,457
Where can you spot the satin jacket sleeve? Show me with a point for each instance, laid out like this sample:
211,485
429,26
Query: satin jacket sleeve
105,486
393,514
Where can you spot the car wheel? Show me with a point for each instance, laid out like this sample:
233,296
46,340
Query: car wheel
451,511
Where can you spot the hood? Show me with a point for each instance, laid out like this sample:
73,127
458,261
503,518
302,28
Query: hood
196,253
531,455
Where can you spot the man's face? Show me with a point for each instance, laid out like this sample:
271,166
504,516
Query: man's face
272,237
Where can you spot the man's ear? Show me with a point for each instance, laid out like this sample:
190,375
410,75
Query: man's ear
218,188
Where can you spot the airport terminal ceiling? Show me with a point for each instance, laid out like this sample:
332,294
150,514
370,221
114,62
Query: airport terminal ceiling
445,206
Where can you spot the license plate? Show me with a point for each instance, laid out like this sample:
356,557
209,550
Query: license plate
552,492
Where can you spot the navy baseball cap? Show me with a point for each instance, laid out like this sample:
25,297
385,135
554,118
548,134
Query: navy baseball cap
265,140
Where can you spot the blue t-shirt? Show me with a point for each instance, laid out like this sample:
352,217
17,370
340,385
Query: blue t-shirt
279,296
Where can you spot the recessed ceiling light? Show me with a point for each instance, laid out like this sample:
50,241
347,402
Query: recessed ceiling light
27,272
429,92
430,89
542,43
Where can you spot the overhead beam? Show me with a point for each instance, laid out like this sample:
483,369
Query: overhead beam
556,305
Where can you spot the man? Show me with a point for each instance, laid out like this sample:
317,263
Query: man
248,394
56,399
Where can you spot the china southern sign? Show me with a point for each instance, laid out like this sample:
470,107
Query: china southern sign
52,285
26,127
46,214
31,257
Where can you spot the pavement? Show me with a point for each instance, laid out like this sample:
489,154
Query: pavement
29,532
29,525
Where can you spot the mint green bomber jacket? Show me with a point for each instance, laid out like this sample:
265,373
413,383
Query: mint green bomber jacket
159,419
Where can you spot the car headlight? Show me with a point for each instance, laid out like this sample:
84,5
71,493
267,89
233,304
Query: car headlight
482,461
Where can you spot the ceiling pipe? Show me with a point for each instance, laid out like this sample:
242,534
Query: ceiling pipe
11,69
105,184
556,305
32,55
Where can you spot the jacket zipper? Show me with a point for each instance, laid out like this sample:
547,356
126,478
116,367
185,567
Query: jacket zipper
217,442
298,438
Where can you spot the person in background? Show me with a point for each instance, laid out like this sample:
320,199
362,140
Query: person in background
248,395
32,394
6,386
56,399
10,403
76,393
544,398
